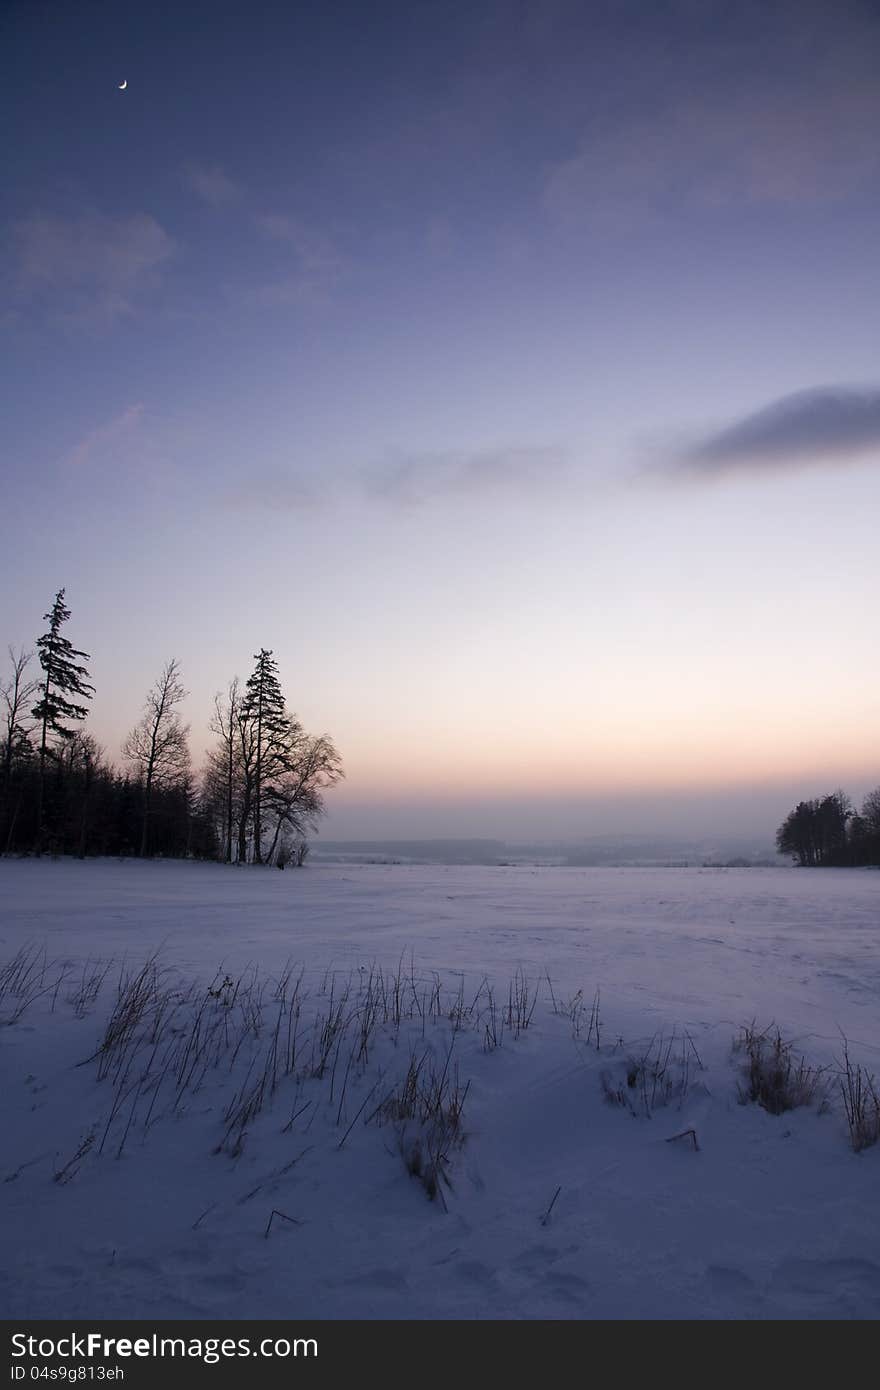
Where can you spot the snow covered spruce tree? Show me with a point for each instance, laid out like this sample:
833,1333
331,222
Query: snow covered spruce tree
157,746
63,677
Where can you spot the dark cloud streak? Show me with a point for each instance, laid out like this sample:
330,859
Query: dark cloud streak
830,425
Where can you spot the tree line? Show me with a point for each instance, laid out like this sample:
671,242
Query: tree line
258,796
829,830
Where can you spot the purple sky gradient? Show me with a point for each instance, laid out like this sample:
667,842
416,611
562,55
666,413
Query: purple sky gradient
510,370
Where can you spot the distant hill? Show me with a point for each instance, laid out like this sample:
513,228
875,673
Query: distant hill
609,850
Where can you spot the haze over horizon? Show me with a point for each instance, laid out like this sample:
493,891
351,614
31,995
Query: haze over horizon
510,371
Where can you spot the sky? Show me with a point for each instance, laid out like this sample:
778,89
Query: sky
509,370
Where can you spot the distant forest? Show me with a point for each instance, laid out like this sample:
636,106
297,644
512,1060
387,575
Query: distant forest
259,794
829,830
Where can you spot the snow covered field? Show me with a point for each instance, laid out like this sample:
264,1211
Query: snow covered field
366,1006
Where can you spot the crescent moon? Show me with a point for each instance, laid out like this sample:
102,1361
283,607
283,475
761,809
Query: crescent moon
122,86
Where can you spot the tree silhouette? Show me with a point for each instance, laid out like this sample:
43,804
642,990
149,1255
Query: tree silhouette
63,677
263,709
15,696
819,831
220,777
157,744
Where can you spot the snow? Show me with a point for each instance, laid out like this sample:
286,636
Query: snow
771,1216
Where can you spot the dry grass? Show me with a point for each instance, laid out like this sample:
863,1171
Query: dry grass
861,1103
426,1107
244,1039
28,976
660,1074
774,1075
361,1048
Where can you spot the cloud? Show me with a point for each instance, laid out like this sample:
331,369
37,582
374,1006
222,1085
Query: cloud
308,266
826,425
129,459
213,185
276,492
697,156
93,447
90,265
751,106
277,227
420,478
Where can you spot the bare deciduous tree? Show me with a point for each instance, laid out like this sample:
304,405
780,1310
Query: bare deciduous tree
223,760
82,760
296,798
157,745
871,811
16,694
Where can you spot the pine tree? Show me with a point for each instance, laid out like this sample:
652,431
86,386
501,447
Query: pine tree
263,710
63,677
